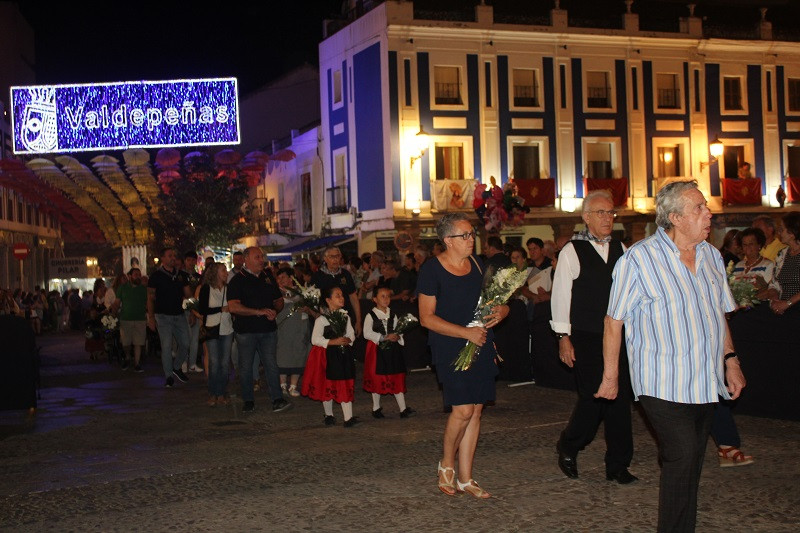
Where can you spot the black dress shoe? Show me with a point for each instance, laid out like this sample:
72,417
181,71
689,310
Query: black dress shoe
623,477
352,422
378,413
329,420
568,465
405,413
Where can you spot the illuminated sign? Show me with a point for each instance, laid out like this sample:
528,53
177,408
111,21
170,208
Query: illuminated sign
136,114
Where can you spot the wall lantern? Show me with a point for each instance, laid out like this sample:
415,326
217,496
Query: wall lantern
715,149
420,145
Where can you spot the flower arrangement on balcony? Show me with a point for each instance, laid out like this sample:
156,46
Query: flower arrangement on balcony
497,207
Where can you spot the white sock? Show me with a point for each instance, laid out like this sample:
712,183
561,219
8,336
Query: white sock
328,406
376,401
347,410
401,401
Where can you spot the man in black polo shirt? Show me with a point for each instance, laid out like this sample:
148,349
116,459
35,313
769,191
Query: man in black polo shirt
254,303
166,290
331,274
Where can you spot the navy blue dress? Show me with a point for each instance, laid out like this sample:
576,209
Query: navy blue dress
456,298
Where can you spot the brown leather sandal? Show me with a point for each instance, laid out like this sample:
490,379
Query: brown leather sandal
731,456
447,486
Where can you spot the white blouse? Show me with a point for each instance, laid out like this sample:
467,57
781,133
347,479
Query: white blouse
372,335
216,298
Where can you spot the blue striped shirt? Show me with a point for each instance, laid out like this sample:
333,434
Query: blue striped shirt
674,320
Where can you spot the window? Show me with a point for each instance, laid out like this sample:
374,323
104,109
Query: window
20,211
668,93
794,94
598,160
337,87
669,161
305,195
793,155
337,199
526,162
598,90
449,162
732,93
525,88
447,85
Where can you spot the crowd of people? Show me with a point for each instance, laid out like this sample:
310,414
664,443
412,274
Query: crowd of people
255,317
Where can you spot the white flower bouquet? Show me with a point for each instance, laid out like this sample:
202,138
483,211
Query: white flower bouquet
109,322
338,323
502,285
404,323
744,292
309,295
189,304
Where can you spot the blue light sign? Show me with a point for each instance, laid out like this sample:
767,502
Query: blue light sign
137,114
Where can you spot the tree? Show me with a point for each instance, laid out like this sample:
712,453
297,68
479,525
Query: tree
205,206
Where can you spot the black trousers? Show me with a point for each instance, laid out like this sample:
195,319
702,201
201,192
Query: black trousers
682,430
590,411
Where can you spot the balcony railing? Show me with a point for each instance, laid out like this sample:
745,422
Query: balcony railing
669,98
525,96
448,94
598,97
337,200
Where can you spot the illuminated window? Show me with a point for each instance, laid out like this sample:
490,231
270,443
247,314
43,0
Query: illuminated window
668,93
732,93
598,90
669,161
337,87
526,162
449,161
447,85
794,94
598,160
525,88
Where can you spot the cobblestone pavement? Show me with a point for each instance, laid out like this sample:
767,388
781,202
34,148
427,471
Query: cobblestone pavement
112,450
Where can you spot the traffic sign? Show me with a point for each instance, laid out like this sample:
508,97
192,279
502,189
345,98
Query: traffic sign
21,250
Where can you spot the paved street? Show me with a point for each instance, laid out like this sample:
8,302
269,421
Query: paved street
112,450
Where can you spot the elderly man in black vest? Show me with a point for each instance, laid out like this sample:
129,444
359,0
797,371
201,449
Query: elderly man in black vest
579,301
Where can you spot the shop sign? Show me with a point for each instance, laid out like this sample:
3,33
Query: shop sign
68,267
117,116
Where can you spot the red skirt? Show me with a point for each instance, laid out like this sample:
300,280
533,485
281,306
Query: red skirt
380,383
317,386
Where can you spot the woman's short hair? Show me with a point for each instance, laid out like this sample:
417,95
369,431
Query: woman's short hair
446,224
761,239
669,200
791,221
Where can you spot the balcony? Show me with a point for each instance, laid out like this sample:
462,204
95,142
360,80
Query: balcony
337,200
669,99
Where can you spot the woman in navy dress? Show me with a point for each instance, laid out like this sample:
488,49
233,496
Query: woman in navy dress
449,287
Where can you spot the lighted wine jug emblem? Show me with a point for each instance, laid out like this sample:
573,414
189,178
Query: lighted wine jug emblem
39,126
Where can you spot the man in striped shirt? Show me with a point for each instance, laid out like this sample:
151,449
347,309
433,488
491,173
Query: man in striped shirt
671,294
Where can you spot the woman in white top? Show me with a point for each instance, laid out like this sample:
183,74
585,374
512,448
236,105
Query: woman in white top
213,305
754,268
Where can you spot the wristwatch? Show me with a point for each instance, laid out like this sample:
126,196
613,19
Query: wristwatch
729,356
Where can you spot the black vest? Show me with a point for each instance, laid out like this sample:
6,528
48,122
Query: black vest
591,289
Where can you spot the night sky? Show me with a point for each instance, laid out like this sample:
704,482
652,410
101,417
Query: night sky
86,42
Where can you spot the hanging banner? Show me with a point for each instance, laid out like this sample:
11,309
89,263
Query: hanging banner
114,116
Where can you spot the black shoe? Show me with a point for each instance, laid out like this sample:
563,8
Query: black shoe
352,422
248,407
178,373
170,382
623,477
407,412
568,464
137,368
378,413
280,405
329,420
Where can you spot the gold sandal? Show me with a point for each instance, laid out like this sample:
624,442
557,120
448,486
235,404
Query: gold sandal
447,486
471,487
731,456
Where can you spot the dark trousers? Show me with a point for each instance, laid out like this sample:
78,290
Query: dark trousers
682,431
723,427
590,411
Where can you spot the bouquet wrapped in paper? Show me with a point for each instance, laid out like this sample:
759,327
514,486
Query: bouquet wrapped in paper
309,296
497,292
404,323
744,292
337,321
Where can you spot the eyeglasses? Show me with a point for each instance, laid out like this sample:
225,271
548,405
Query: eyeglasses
602,213
466,236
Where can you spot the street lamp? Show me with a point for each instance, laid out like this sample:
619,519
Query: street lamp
420,145
715,149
